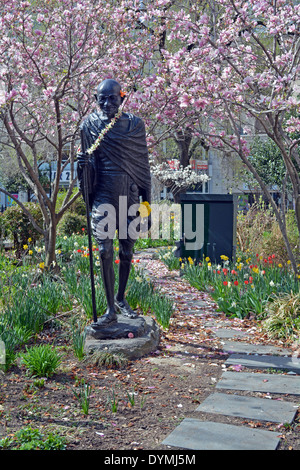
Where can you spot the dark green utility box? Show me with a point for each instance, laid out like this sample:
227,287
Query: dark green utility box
208,226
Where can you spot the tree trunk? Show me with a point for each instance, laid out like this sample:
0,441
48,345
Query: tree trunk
50,241
183,140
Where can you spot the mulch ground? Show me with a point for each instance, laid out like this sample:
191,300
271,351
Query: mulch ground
165,387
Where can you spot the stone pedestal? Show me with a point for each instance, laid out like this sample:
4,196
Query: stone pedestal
133,338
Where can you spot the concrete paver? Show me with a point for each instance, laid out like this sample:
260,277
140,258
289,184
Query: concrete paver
205,435
261,409
249,348
265,362
260,382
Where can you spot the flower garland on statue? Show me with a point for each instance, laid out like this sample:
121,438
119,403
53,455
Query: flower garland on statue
102,133
106,129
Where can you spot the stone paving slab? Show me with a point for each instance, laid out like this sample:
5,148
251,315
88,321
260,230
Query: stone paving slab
228,332
265,362
259,382
243,347
205,435
239,406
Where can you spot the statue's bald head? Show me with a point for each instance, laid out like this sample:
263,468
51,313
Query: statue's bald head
109,85
108,97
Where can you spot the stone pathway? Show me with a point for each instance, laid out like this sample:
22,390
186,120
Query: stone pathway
194,434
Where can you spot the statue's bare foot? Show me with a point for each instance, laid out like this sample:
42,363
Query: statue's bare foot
123,307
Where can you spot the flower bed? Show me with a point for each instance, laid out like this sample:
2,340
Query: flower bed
243,288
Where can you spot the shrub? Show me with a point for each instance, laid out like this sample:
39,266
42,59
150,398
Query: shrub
42,360
19,226
72,223
78,205
273,242
3,230
283,320
258,232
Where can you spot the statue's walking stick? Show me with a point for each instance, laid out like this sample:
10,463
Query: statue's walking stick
87,207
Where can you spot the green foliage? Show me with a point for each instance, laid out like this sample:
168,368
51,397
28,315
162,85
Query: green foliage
113,401
139,291
51,295
163,308
42,360
3,229
144,243
267,160
84,296
131,398
166,255
109,360
83,395
272,240
33,439
74,218
19,226
24,312
72,223
283,317
78,340
78,206
258,232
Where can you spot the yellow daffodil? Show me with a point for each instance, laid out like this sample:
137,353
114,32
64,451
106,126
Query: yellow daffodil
144,209
25,247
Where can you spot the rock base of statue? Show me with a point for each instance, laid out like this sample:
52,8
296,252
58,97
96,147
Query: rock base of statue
133,338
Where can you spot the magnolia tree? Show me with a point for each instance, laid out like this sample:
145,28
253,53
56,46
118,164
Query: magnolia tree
211,70
228,68
52,57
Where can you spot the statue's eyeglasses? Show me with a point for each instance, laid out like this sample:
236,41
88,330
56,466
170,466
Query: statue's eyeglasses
112,98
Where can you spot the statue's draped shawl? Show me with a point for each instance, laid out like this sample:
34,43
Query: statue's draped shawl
124,144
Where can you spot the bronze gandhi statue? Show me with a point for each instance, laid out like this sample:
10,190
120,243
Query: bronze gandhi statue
119,178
